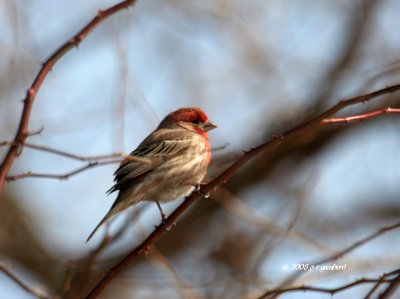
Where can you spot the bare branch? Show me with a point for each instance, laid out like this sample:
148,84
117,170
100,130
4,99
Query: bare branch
331,291
65,176
35,292
378,284
359,243
23,131
391,288
241,211
360,117
91,164
64,153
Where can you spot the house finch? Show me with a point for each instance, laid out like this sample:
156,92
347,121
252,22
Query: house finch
170,163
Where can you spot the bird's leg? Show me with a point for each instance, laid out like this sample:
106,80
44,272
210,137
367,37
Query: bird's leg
163,217
197,189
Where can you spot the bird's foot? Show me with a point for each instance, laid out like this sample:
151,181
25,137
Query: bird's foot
197,189
164,223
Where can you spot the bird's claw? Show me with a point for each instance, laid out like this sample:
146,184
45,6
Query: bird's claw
197,189
164,223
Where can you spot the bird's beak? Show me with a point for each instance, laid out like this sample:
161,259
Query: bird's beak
209,125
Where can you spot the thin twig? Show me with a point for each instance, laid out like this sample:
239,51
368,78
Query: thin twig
331,291
65,176
359,243
23,130
64,153
241,211
360,117
223,177
35,292
89,165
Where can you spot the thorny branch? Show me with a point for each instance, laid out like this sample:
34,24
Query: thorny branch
310,125
23,130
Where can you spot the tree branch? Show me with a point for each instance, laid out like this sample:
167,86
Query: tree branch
378,284
359,243
360,117
391,288
65,176
331,291
26,287
23,131
310,125
64,153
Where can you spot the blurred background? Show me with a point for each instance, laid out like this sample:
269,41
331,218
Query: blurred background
258,68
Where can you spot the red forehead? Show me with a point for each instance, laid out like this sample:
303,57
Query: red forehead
189,114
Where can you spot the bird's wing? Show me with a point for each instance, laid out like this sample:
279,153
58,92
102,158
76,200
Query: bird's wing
153,151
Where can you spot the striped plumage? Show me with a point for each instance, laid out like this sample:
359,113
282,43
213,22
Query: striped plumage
167,165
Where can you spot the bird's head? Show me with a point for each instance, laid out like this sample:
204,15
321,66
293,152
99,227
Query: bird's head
193,119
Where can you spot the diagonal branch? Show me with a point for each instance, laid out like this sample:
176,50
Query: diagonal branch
23,130
35,292
379,282
305,127
378,233
78,277
391,288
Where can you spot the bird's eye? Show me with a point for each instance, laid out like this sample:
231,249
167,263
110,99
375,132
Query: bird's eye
195,121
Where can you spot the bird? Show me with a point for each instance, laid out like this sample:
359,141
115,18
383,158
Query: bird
168,164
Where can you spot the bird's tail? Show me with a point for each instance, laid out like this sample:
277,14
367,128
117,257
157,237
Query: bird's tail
118,206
